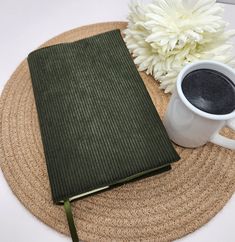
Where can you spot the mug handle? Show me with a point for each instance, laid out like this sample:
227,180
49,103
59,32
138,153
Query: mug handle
223,141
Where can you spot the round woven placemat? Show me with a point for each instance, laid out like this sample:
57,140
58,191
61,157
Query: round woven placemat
159,208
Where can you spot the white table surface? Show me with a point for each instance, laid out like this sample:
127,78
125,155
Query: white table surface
26,24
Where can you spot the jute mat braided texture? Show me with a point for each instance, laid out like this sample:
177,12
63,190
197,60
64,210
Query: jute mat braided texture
159,208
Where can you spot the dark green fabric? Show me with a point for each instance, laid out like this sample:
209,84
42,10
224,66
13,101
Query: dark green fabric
69,215
98,123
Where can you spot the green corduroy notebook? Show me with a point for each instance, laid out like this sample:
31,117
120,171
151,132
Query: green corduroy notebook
98,124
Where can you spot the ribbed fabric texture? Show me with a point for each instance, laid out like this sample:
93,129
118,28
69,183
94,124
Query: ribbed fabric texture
98,123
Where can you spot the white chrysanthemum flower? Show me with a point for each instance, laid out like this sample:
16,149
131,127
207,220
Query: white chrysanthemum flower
165,35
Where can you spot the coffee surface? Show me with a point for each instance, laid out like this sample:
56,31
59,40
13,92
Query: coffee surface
210,91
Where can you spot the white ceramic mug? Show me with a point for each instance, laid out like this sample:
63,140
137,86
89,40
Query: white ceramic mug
191,127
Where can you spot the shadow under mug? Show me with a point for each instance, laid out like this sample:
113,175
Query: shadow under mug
191,127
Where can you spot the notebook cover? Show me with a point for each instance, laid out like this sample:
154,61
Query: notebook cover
98,123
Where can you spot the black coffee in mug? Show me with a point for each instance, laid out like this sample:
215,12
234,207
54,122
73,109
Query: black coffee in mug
209,91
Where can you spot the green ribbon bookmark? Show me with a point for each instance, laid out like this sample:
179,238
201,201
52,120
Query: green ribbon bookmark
69,215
